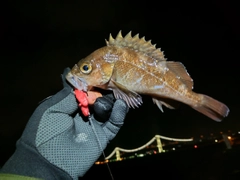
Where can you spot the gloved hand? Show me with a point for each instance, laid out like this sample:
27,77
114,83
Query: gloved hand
58,144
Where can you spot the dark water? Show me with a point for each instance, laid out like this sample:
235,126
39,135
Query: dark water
213,162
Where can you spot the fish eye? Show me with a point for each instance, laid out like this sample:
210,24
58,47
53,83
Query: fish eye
86,68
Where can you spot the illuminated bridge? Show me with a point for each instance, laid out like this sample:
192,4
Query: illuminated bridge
156,138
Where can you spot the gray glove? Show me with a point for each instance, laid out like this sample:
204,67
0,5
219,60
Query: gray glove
58,143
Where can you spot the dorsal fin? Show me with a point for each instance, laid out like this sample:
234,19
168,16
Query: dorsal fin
137,44
179,69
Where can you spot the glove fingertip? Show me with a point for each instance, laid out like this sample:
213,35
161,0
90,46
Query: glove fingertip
119,103
63,76
119,112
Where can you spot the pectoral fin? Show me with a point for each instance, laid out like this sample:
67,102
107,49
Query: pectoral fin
130,97
169,103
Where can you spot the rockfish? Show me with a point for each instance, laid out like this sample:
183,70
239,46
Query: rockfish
130,66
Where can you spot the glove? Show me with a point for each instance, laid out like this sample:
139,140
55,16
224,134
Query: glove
58,143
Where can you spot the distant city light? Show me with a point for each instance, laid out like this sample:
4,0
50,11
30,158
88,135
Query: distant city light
151,148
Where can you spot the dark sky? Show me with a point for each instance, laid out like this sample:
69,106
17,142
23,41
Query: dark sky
39,39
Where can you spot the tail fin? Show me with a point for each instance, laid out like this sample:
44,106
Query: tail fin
212,108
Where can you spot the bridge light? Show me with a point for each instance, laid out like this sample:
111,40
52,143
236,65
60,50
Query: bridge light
157,138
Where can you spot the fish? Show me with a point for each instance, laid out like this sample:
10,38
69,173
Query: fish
130,66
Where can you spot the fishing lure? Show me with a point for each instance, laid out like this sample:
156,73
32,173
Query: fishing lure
81,96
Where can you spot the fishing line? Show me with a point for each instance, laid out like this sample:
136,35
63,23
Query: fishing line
95,132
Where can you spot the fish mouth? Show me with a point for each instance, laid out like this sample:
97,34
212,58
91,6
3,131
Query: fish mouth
78,82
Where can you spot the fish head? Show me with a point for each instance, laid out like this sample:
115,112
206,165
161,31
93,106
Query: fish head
93,71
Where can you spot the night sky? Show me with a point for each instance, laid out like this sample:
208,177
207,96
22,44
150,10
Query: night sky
39,39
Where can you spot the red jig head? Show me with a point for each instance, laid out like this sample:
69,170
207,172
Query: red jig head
83,101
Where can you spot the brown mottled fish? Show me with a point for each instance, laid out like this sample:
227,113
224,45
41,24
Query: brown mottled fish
130,66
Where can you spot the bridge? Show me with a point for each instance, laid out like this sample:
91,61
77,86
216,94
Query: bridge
156,138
